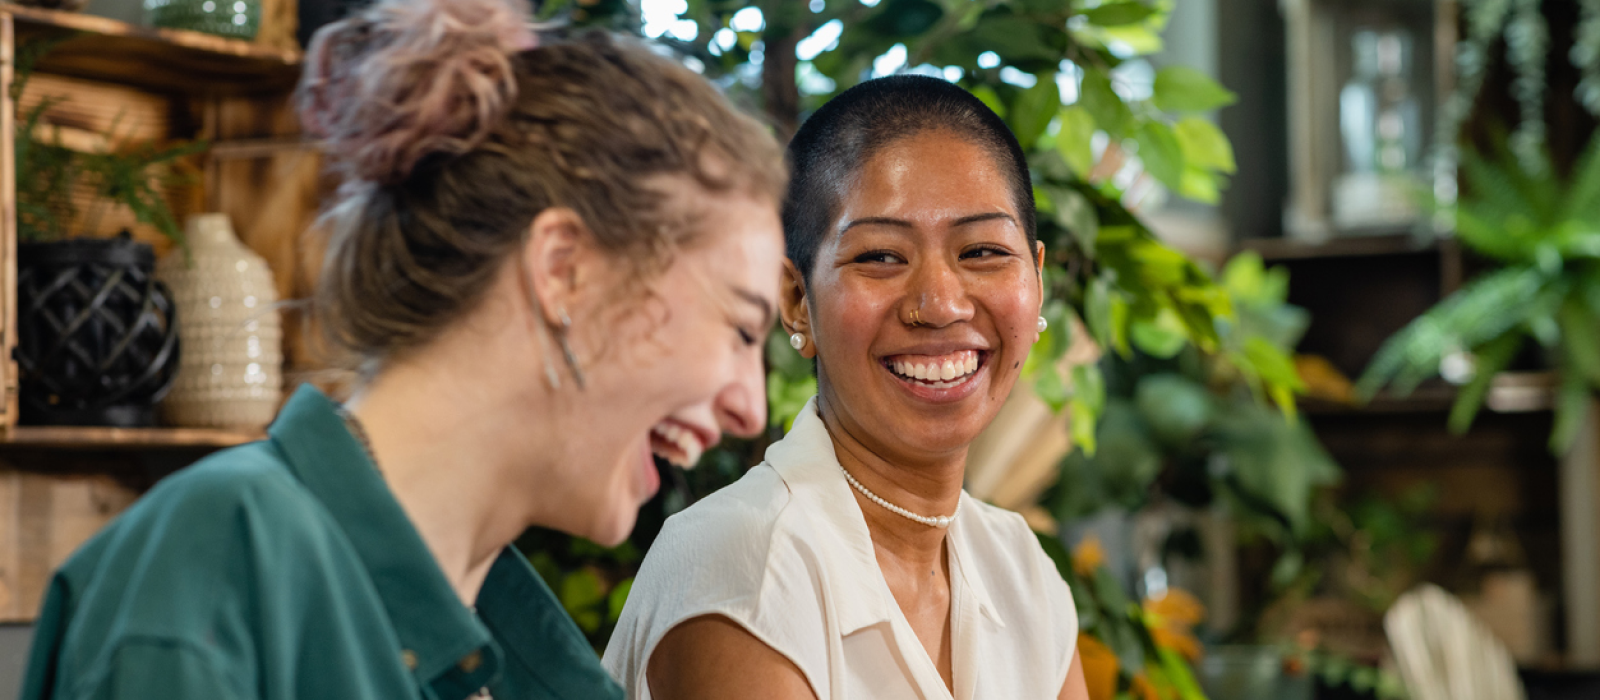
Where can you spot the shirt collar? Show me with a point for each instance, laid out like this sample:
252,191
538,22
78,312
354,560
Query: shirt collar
441,640
806,461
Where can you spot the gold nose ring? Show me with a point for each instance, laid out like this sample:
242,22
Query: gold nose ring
916,319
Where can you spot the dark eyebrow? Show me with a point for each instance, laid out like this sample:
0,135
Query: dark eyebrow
976,218
880,220
758,301
902,223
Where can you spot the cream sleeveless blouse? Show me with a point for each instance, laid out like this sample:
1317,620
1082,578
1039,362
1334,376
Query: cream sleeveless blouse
785,553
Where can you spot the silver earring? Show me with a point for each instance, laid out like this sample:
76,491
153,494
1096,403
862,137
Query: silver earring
1043,324
797,341
572,360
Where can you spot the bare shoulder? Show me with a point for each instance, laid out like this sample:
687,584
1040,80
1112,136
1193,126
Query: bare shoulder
711,658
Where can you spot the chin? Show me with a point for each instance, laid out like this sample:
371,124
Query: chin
613,531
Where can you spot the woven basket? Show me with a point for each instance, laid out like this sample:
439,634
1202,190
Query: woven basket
97,339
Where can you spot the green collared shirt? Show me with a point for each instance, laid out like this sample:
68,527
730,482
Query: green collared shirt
285,569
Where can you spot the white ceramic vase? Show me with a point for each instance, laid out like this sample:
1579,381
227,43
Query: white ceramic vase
230,338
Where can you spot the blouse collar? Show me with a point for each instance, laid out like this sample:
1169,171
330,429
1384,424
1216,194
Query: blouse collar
806,461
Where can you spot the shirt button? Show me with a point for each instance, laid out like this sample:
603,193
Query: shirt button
409,658
471,662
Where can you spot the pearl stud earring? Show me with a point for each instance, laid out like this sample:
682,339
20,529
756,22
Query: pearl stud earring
797,341
1043,324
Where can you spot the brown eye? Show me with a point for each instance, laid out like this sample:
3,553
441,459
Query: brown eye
984,252
878,256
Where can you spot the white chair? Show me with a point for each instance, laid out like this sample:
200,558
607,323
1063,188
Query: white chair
1444,653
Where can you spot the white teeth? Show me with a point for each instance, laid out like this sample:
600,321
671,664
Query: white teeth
937,374
685,440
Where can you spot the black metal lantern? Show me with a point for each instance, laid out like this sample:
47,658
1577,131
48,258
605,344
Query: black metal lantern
97,340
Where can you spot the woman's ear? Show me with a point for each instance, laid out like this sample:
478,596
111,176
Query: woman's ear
555,261
795,309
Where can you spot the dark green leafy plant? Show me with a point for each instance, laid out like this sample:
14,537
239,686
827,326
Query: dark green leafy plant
1188,428
1543,231
122,173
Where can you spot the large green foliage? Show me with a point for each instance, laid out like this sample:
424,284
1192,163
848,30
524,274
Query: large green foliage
1187,427
1543,230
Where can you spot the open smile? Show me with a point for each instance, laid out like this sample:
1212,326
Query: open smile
678,443
938,377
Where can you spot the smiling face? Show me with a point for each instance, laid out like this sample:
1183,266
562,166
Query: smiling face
677,364
924,300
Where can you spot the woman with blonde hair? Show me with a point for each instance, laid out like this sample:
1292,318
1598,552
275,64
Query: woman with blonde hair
549,261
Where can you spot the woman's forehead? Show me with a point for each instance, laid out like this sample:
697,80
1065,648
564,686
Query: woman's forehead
930,178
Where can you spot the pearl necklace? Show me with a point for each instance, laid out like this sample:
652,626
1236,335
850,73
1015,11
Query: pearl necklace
939,521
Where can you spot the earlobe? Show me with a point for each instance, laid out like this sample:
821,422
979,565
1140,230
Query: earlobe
795,310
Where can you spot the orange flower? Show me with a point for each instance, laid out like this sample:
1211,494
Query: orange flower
1099,667
1171,618
1088,556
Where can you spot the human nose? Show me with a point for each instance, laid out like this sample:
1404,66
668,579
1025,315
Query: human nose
939,293
742,404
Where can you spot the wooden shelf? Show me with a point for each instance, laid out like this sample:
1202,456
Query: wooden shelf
91,438
162,60
1272,249
1510,392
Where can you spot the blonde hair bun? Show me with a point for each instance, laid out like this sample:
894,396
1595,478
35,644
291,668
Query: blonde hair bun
404,79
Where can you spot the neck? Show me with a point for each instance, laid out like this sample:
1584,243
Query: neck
439,426
927,488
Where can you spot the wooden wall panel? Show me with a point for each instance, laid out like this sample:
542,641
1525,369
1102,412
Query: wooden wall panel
44,518
280,20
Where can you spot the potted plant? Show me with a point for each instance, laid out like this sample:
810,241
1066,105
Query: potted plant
1542,231
96,338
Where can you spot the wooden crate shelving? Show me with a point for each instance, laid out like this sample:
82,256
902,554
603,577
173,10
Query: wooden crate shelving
58,485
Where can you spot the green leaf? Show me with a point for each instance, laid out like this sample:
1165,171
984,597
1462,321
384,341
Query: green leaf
1184,89
1034,109
1075,141
990,99
1572,410
1162,336
1491,359
1075,213
1178,674
1015,38
1204,186
1119,325
1204,145
905,19
1118,14
1161,153
1103,103
1580,336
1097,311
617,599
581,590
1175,407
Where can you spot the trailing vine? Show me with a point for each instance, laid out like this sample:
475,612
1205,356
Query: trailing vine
1527,46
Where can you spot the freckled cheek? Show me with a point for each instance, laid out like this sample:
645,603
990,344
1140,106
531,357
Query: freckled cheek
1016,314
